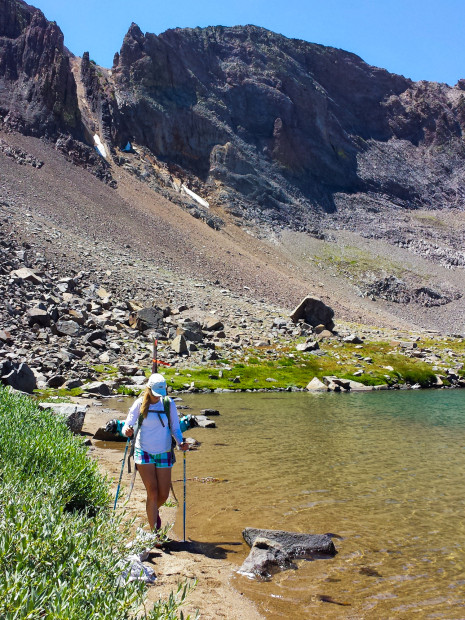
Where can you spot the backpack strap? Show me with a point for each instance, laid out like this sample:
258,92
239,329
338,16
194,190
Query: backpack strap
167,408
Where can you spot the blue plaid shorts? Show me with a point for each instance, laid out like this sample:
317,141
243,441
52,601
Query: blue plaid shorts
162,460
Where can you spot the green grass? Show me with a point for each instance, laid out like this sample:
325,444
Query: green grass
340,359
356,263
61,547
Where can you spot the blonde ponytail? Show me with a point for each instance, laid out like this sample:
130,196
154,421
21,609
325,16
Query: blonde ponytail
146,401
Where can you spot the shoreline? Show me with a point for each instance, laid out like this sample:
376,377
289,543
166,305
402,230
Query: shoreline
214,595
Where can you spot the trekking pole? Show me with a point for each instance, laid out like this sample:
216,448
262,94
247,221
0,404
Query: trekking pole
184,509
121,474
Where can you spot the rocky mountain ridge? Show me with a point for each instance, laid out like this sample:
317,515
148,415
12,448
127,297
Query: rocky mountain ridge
271,143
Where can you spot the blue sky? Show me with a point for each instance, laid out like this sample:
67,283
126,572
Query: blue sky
423,40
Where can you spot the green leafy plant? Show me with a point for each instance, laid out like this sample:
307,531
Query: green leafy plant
62,549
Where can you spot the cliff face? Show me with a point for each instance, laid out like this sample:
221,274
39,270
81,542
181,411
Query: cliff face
270,129
37,89
269,123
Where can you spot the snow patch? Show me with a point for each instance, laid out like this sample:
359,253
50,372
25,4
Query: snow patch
99,146
195,196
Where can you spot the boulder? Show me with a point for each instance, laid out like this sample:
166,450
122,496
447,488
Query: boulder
274,550
309,345
203,421
72,384
67,328
335,384
212,324
265,558
26,274
316,385
208,412
191,330
356,386
6,337
97,334
97,387
55,381
74,414
353,339
295,544
129,370
21,378
179,345
314,312
325,333
38,316
147,318
103,435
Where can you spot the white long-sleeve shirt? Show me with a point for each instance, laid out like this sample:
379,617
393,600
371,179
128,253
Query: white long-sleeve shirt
153,437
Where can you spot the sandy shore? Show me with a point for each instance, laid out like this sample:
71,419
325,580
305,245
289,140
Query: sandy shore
214,595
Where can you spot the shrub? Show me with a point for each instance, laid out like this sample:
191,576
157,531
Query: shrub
61,547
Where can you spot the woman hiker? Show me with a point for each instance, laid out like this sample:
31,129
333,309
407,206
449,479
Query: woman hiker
153,455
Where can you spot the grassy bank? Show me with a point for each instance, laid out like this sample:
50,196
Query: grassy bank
61,549
386,359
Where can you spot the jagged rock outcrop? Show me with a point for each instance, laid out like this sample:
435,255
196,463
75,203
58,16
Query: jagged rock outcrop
283,128
270,129
37,88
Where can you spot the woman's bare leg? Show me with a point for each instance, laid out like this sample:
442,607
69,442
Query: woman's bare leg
164,484
148,473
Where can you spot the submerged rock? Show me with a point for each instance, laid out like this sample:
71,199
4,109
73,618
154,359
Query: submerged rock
266,558
296,544
274,550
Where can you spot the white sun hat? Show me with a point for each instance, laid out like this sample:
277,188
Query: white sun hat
157,383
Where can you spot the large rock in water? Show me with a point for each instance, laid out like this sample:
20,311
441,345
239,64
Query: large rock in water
314,312
274,550
265,558
295,544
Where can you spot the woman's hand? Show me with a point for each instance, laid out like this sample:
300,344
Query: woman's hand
184,446
129,432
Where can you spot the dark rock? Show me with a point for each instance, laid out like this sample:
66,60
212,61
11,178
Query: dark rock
103,435
97,334
72,384
97,387
266,558
295,545
208,412
56,381
74,414
147,318
21,378
37,88
314,312
128,370
39,317
67,328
